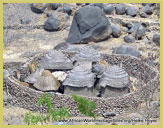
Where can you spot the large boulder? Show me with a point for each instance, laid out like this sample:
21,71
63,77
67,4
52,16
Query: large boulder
89,24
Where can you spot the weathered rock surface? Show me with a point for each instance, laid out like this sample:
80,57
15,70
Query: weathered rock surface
131,11
89,24
120,9
108,9
47,82
67,9
129,39
80,76
115,77
56,60
126,49
55,22
156,39
87,53
38,7
116,31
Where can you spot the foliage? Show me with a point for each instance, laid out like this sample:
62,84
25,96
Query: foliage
85,106
53,114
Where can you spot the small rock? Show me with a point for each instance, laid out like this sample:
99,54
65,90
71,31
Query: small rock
38,7
124,29
156,39
121,9
67,9
134,28
108,114
108,9
61,46
52,24
25,21
129,39
116,31
148,10
127,50
140,32
55,22
131,11
143,14
54,6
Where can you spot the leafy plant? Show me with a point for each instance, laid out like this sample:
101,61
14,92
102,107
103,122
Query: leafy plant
53,114
85,106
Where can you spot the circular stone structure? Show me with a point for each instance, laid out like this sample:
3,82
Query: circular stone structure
148,78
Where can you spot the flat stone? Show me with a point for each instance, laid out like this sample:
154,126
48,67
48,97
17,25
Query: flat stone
126,50
129,39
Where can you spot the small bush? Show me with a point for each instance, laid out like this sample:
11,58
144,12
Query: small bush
53,114
85,106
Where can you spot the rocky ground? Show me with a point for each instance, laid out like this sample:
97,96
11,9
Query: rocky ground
24,36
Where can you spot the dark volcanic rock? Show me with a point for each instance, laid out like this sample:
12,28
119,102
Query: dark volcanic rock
52,24
54,6
55,22
126,49
129,39
134,28
121,9
140,32
108,9
67,9
148,10
143,14
38,7
131,11
116,31
156,39
89,24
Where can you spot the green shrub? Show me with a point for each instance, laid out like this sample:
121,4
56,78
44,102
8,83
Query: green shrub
53,114
85,106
